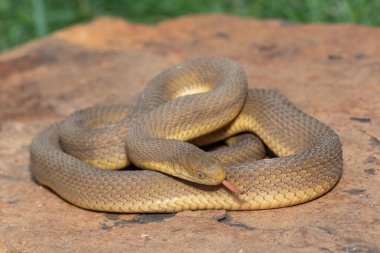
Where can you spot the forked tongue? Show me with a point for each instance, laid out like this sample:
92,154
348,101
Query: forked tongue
232,188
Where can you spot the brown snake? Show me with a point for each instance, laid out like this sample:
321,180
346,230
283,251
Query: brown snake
198,101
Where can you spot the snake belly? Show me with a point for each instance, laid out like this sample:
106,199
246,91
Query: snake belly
307,163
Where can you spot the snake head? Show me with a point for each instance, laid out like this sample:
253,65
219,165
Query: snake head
204,169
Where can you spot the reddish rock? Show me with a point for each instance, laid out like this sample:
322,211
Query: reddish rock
330,71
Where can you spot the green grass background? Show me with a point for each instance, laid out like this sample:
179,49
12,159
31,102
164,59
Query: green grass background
21,20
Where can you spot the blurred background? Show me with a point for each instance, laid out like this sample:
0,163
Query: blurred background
21,20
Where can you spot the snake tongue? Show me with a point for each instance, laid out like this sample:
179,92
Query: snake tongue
232,188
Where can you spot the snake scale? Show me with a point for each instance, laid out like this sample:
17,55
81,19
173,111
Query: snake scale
189,105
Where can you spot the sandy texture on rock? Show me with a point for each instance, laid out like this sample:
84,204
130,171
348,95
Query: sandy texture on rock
330,71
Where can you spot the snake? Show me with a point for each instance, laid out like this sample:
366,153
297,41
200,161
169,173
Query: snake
150,157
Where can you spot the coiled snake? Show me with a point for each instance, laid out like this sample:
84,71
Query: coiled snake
199,101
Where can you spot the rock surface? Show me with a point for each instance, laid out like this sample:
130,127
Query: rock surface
329,71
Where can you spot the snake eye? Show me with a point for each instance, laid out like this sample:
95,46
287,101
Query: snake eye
201,175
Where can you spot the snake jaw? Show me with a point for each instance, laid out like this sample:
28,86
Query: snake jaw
232,188
201,168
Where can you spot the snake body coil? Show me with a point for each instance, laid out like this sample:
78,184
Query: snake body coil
198,101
